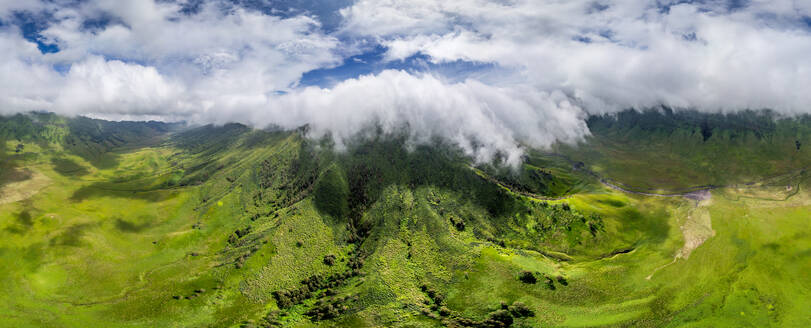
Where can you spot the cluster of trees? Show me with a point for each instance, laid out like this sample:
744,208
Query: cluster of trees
559,224
529,277
330,308
435,307
239,233
284,180
364,181
240,262
500,318
289,297
530,180
311,286
235,238
357,260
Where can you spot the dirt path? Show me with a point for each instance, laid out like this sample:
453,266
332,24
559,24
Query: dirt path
700,193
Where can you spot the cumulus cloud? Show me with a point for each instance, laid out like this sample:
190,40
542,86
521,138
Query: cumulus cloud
484,120
614,55
557,62
114,87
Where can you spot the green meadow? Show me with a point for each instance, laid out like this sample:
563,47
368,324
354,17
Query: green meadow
107,224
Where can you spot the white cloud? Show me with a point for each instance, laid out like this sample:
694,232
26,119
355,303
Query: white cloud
482,119
638,55
151,59
556,60
98,86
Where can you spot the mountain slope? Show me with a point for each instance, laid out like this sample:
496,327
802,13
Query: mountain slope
229,226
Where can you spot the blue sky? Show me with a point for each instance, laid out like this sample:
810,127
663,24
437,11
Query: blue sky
363,60
486,74
367,59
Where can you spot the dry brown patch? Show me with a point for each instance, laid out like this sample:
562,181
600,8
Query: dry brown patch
695,229
21,190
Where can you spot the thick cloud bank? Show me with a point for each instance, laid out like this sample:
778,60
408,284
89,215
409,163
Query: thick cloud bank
555,63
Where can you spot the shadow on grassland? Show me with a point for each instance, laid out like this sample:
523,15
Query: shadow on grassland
23,221
99,190
132,227
72,236
10,173
67,167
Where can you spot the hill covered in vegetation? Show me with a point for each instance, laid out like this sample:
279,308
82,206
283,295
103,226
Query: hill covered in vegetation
658,219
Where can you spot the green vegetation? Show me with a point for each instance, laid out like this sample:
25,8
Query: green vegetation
674,151
149,225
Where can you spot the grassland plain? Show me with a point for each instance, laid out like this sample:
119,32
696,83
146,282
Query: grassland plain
673,151
138,226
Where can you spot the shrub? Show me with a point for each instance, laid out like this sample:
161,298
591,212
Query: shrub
444,311
289,297
499,318
458,223
550,283
521,310
527,277
329,310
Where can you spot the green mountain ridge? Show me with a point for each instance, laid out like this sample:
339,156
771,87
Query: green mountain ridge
149,224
